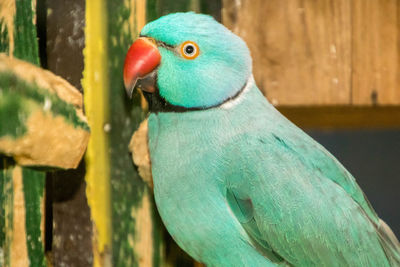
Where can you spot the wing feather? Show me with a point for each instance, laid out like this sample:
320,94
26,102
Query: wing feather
306,208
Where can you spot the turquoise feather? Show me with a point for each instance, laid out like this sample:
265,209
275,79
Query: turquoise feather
187,82
240,185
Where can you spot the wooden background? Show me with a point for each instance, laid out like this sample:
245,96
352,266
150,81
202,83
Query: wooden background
321,52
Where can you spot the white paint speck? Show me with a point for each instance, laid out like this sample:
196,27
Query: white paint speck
96,76
107,127
332,49
335,81
47,104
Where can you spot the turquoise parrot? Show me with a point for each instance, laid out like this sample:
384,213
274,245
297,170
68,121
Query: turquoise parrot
235,182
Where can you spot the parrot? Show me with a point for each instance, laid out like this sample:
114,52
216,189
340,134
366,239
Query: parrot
235,182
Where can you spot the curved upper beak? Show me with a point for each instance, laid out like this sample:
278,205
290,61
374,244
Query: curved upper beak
141,61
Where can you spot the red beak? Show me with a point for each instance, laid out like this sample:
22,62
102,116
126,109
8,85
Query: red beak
141,60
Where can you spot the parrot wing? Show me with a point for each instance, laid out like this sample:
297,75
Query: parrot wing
299,204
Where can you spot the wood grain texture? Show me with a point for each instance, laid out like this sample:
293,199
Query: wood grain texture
128,231
7,13
6,210
321,52
69,226
21,217
300,49
343,117
135,232
376,52
33,185
19,250
96,84
23,229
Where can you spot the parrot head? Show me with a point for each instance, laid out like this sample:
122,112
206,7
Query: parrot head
187,61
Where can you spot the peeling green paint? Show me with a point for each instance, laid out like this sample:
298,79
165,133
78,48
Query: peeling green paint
3,37
13,114
6,206
15,96
152,10
33,182
168,6
26,45
126,185
3,172
25,48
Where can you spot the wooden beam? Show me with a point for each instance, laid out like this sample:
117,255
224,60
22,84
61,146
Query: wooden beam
376,52
343,117
68,222
127,229
96,87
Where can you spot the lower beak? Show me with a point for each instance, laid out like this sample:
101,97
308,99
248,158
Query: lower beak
140,65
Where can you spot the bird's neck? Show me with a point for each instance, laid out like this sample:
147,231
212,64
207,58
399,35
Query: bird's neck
159,104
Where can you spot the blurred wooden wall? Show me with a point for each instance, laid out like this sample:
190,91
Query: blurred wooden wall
321,52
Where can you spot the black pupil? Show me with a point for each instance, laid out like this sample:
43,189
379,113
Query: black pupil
189,49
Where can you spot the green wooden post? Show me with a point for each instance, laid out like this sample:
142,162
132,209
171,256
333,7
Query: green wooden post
136,229
39,128
127,229
32,106
19,39
6,205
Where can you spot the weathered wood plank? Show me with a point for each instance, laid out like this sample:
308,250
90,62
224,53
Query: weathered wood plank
39,119
21,216
343,117
19,233
114,188
33,188
71,226
376,52
96,86
18,29
136,227
68,213
157,8
301,49
6,207
22,247
40,102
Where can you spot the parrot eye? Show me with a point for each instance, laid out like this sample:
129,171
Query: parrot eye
189,50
